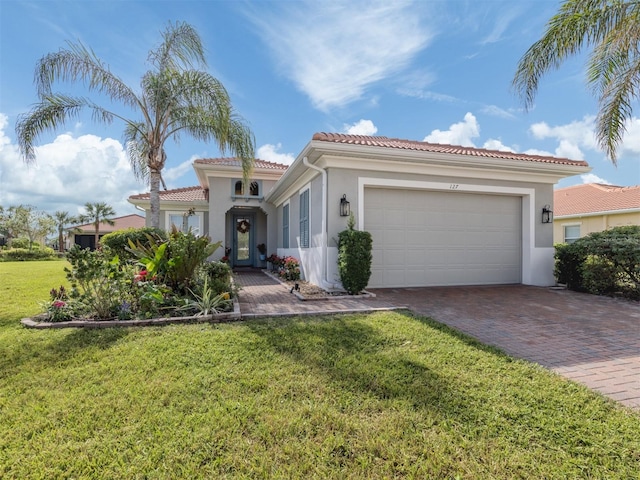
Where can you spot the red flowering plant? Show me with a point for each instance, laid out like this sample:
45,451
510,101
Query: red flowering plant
58,308
290,269
275,261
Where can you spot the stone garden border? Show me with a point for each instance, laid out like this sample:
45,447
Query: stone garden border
151,322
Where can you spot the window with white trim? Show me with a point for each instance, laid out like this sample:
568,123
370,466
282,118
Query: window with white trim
285,226
184,222
304,219
571,233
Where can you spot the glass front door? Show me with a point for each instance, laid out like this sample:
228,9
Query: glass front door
243,240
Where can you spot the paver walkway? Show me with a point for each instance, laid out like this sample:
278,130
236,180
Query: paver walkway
592,340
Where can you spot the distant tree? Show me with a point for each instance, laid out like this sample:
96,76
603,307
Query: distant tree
612,29
11,222
62,220
97,213
25,220
173,98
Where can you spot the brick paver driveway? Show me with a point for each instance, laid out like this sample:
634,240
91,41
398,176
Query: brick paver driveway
590,339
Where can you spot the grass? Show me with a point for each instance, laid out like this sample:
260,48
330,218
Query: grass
353,396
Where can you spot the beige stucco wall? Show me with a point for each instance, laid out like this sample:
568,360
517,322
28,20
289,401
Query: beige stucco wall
593,223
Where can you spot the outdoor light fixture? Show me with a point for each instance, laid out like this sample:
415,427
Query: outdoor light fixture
547,214
345,207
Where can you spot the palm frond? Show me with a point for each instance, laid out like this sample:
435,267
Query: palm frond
79,63
578,23
52,112
181,48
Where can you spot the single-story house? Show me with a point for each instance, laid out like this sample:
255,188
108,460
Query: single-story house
593,207
85,235
438,214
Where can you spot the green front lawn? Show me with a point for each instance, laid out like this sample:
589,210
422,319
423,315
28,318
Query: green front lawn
354,396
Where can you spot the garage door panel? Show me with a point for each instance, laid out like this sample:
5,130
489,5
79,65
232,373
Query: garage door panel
423,238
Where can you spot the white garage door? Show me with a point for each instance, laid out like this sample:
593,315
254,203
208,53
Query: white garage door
428,238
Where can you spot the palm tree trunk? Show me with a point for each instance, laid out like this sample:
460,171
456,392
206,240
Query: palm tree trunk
60,241
154,197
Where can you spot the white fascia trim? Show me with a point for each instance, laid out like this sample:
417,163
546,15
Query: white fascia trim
530,274
465,161
475,170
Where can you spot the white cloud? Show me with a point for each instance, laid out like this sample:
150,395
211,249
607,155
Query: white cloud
535,151
460,133
68,172
593,178
333,51
174,173
496,111
270,153
631,140
363,127
501,25
572,138
493,144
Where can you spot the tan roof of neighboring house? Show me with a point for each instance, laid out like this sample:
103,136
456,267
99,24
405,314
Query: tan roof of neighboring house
439,148
186,194
592,198
234,162
121,223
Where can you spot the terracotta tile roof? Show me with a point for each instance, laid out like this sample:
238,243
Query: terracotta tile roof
234,162
186,194
121,223
594,198
439,148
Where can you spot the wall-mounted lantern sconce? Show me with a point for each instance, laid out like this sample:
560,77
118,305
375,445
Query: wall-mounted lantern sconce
345,207
547,214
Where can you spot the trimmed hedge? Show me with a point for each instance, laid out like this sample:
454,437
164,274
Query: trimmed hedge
25,255
602,263
354,258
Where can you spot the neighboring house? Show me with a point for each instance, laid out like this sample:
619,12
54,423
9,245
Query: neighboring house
438,214
593,207
84,235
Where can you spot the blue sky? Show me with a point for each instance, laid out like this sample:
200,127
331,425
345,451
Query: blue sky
438,71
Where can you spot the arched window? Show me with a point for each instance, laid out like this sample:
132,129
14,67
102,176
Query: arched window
254,189
239,190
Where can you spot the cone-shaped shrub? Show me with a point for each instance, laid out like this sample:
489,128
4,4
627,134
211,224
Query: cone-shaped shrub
354,258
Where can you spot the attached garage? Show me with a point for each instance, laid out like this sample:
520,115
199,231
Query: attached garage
427,238
439,214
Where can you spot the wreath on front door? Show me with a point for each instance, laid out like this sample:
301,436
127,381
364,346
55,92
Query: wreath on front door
243,226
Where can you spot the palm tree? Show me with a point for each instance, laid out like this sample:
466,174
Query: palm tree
62,220
612,29
97,213
173,98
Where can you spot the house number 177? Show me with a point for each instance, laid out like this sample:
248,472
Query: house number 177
453,186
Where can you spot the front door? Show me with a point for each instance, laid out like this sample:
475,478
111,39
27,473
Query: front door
244,227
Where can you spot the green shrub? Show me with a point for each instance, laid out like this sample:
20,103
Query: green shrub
354,258
21,243
25,255
602,262
98,284
599,275
175,262
117,243
218,276
568,266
